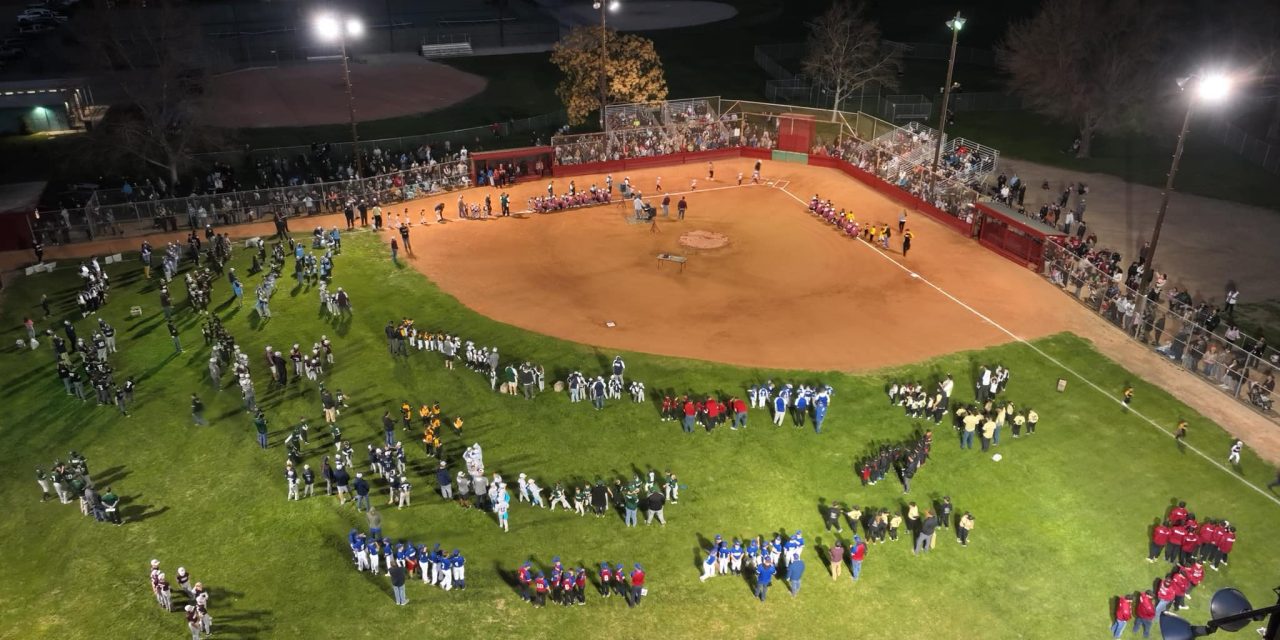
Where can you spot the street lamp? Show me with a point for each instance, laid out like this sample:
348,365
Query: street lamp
330,27
955,25
1230,610
604,6
1211,88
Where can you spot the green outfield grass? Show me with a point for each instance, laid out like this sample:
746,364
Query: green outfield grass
1061,521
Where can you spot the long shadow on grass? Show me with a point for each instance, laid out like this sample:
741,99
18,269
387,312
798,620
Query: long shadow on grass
110,476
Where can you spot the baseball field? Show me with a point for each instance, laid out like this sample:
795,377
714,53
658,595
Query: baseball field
1062,519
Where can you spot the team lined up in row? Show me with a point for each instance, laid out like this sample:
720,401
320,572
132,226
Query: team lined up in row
568,586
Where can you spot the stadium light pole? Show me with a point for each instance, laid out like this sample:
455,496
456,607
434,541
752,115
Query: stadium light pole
330,27
1212,88
1230,610
604,7
955,24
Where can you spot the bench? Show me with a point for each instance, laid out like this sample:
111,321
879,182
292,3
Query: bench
325,58
446,50
668,257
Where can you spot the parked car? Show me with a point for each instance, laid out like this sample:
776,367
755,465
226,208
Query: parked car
40,15
34,28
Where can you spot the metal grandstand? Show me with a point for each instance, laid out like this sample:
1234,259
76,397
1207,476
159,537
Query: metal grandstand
698,124
964,159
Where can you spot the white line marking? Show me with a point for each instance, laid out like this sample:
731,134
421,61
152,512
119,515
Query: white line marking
1050,358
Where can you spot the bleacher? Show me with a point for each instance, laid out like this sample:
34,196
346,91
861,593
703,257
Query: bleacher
970,159
913,143
446,47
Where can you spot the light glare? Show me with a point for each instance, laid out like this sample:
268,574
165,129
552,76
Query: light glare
327,27
1214,87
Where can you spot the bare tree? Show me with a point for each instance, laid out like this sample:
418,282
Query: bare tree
1090,63
844,53
155,59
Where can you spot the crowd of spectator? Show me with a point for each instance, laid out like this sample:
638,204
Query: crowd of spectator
1197,334
305,184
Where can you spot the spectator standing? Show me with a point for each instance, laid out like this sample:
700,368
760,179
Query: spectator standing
396,572
795,571
836,557
764,574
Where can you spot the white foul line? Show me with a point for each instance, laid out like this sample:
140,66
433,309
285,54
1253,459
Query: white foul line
1048,357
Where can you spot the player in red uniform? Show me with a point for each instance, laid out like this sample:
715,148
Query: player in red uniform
1124,612
1145,614
1159,538
580,586
525,575
606,576
1180,585
1178,514
1190,543
1174,548
1225,543
540,590
1164,596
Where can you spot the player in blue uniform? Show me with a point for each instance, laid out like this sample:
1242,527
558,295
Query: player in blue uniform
459,569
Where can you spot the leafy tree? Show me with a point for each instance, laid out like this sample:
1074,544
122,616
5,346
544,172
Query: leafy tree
632,67
844,53
1091,63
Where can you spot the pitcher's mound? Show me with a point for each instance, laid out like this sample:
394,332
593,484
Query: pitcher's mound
703,239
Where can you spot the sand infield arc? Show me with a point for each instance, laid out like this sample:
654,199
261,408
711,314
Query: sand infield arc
786,292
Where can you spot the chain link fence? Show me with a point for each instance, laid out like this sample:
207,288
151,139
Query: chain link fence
1169,323
1239,141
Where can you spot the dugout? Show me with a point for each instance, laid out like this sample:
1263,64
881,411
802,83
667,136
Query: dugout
1012,235
17,203
525,159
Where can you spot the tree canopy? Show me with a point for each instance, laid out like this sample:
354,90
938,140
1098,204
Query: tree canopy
1091,63
632,66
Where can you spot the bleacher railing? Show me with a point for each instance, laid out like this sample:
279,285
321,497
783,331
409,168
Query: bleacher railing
1169,324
